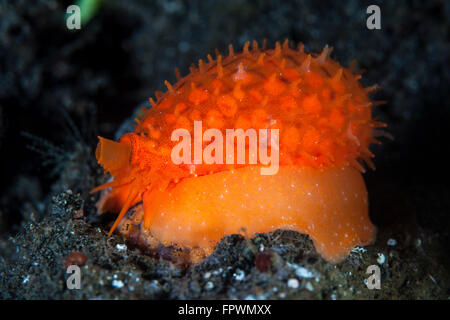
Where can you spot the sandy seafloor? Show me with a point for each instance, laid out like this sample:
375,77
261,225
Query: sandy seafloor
68,87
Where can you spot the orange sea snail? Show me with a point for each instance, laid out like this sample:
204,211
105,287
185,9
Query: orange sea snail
324,119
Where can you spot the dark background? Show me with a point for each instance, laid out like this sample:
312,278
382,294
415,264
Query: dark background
66,87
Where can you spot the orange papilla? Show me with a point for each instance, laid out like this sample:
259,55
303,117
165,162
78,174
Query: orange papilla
322,111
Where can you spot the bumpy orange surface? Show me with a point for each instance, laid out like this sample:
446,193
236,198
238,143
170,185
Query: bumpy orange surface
324,119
